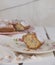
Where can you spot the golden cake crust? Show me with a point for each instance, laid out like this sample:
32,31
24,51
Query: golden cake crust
31,41
7,28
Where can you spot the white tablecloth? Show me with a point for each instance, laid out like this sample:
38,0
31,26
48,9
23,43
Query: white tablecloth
47,59
41,59
51,32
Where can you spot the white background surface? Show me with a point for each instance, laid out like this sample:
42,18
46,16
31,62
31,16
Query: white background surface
47,59
44,61
51,32
41,12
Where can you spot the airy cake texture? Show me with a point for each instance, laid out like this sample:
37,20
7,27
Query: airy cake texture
31,41
20,27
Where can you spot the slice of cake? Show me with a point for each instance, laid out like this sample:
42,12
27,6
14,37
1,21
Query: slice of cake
31,41
6,28
19,27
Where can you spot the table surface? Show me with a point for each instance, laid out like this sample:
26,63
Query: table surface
42,59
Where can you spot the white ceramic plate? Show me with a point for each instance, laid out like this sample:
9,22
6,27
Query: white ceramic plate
18,46
48,46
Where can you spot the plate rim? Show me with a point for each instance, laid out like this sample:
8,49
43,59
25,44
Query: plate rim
41,52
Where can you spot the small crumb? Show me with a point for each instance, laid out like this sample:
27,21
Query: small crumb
33,57
20,57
